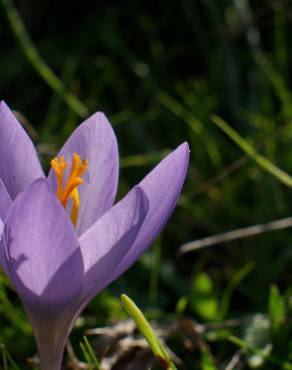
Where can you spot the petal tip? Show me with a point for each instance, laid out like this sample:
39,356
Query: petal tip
183,151
101,119
3,105
185,146
37,189
41,182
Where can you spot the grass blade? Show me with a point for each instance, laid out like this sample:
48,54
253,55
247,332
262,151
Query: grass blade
37,62
263,162
89,353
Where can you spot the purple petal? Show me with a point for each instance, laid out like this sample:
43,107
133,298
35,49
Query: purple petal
5,201
19,165
109,239
162,187
95,141
42,251
2,252
45,266
3,261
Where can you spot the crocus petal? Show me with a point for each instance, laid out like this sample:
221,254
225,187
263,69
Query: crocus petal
2,252
5,201
95,141
39,241
3,261
45,265
162,187
109,239
19,165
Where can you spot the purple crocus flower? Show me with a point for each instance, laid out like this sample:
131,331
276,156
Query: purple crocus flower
63,240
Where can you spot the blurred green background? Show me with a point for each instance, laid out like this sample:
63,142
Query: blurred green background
160,71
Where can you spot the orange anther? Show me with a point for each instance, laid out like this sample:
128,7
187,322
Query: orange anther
69,189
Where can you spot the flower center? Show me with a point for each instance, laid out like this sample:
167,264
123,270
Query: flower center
69,189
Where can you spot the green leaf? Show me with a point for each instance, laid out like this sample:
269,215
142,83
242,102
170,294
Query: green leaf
277,308
181,305
146,330
203,300
207,362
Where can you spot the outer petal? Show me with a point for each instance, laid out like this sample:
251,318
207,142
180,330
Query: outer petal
109,239
96,141
45,266
162,187
2,253
5,201
19,165
39,241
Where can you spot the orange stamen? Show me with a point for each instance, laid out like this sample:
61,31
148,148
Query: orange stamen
69,190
